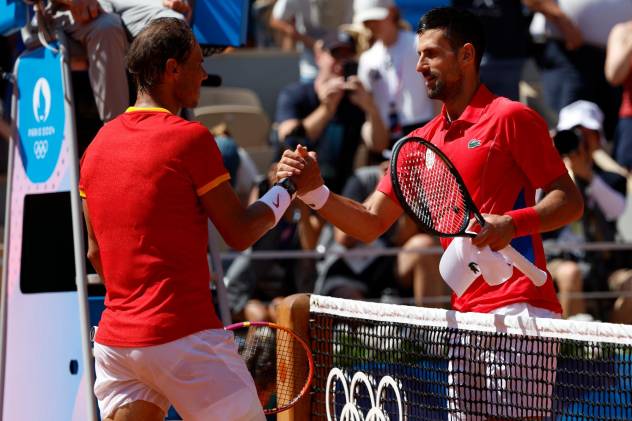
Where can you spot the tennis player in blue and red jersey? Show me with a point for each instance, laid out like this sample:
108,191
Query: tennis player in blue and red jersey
150,181
504,153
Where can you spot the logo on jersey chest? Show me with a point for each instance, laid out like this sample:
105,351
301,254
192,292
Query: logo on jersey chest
474,143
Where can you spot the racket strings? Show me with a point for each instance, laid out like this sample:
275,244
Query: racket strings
431,190
271,356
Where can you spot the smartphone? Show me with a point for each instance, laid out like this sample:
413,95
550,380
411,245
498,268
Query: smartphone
349,68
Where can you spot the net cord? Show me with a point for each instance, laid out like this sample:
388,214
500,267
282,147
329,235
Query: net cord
513,325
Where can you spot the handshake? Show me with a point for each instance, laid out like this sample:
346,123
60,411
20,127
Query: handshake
300,168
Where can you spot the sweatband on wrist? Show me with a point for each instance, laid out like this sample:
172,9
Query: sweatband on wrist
526,221
316,198
278,199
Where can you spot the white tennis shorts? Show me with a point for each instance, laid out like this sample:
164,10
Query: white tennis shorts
201,375
501,376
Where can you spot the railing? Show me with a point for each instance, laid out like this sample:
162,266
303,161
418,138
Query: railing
321,252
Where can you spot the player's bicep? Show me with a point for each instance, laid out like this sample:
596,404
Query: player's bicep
223,207
561,204
533,149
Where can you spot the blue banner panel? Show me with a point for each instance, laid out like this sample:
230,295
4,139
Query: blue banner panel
41,114
221,23
12,16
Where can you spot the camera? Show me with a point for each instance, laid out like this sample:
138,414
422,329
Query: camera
567,141
349,68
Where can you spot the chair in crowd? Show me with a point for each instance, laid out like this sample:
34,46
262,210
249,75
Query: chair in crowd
246,121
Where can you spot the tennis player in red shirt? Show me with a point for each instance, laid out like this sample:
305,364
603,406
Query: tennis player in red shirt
150,180
504,153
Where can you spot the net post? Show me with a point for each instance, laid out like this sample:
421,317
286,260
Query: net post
293,313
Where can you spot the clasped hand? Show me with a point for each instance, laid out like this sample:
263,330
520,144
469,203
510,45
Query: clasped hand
302,167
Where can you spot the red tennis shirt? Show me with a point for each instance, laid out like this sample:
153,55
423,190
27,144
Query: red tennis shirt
142,176
503,151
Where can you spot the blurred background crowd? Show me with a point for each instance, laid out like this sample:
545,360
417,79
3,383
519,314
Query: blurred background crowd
339,77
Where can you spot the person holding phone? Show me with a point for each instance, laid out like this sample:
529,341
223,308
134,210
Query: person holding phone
334,114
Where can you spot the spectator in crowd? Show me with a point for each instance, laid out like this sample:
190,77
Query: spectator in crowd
579,135
255,286
387,69
619,72
373,276
136,14
260,33
305,22
571,61
104,39
506,24
333,114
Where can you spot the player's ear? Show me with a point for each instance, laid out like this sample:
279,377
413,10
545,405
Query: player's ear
171,68
467,54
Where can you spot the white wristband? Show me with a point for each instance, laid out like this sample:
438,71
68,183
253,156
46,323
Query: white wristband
316,198
278,199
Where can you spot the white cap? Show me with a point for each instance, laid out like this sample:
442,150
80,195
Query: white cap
581,113
463,262
364,10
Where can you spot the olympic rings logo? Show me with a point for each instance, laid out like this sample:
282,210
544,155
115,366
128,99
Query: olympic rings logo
350,411
40,148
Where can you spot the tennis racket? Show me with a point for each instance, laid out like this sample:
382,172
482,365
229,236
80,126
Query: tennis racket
279,361
432,192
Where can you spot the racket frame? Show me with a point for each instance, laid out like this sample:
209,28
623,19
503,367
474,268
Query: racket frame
467,199
528,268
310,359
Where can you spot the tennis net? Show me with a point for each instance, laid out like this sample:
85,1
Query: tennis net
378,362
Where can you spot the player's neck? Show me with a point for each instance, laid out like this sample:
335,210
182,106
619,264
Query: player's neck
456,105
156,100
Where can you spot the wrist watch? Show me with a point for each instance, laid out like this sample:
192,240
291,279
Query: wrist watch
288,185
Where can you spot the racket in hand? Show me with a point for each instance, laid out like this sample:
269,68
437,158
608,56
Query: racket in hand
279,361
432,192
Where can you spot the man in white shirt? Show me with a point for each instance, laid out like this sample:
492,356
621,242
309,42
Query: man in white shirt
387,69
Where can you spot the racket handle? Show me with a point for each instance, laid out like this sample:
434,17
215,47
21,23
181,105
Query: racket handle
537,275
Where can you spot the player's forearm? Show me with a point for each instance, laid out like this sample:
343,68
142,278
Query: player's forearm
561,205
355,219
249,226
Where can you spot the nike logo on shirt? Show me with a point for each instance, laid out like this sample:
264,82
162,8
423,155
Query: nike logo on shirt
276,202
